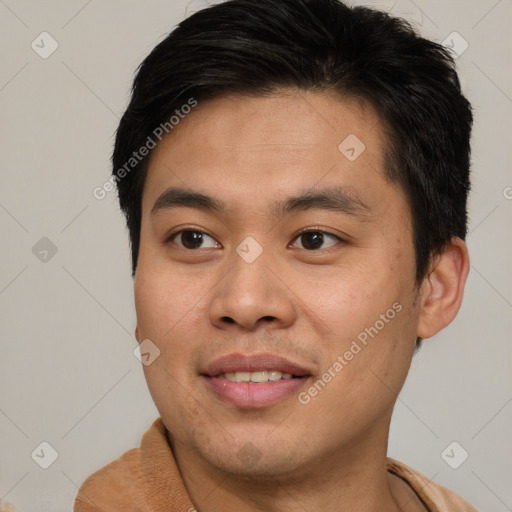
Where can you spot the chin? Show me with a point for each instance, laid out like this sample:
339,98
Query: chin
249,459
266,468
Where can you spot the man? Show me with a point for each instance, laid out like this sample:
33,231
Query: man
294,174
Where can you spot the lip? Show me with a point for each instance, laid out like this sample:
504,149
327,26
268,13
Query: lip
246,395
237,362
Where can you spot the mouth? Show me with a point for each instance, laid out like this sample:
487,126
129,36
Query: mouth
257,377
252,381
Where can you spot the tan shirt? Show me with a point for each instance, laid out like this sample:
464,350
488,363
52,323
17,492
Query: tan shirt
146,479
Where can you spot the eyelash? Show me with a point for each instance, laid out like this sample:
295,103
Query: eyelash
323,232
174,235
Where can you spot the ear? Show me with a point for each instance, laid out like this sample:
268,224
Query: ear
442,290
137,333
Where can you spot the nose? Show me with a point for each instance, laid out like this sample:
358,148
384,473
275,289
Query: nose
252,294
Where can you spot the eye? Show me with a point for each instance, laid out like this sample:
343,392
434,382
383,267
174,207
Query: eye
193,239
313,239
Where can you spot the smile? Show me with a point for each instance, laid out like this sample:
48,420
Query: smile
249,381
255,377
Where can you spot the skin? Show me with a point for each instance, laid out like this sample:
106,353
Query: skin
302,303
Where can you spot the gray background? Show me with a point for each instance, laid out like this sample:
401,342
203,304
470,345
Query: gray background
68,373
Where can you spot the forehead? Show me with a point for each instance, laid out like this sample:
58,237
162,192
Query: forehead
253,148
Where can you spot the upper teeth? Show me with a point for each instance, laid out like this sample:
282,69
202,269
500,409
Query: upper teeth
259,376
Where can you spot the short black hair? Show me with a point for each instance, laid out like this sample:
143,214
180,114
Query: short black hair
257,47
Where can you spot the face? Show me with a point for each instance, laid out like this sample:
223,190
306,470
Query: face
294,268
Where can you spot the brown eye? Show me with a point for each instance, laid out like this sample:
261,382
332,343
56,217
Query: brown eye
192,239
313,240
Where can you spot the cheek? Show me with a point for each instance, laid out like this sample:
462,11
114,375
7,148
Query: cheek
370,361
349,300
174,399
166,301
168,311
371,325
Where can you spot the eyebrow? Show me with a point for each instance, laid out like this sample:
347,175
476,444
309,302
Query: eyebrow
336,198
175,197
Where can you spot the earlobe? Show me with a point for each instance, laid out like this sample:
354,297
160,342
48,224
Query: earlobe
137,334
442,290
